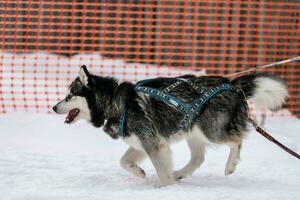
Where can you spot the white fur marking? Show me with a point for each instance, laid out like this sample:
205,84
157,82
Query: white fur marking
270,93
177,137
197,132
197,149
129,162
134,142
162,161
75,102
232,159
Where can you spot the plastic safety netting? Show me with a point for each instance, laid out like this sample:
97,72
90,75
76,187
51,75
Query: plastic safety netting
43,43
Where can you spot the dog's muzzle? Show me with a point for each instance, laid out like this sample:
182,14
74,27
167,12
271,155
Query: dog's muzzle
54,108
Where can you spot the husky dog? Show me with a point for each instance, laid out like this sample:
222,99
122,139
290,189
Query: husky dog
151,125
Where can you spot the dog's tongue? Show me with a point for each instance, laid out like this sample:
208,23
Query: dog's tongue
71,115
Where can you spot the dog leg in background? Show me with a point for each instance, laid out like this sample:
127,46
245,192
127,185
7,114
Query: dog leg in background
162,161
130,159
197,148
233,158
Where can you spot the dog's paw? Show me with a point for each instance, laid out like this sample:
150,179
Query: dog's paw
142,173
167,183
229,169
178,175
139,172
228,172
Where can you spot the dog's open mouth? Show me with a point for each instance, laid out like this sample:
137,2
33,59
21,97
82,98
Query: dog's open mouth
71,115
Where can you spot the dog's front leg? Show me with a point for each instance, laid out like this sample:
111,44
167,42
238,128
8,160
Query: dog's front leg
162,161
197,148
130,159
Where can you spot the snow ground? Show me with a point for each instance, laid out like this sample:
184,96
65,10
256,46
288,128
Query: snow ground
43,159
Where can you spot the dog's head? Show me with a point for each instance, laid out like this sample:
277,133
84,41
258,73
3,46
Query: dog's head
82,100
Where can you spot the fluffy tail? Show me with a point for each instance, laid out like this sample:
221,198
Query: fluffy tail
266,91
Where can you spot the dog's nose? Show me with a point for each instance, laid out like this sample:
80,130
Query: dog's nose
54,108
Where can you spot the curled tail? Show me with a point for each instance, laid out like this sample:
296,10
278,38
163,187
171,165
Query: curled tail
266,91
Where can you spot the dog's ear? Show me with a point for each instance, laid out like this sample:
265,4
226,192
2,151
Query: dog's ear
84,76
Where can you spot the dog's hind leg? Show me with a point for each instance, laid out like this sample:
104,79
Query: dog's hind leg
233,158
130,159
162,161
197,148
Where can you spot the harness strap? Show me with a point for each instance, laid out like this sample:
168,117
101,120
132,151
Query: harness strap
172,86
193,85
122,124
165,97
180,81
195,109
190,111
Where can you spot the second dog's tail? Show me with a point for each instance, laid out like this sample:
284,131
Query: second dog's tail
266,91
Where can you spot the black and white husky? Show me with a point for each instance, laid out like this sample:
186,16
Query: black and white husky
151,125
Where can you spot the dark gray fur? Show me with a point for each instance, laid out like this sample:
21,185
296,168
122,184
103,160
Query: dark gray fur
223,118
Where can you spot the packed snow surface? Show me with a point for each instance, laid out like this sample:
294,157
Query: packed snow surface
41,158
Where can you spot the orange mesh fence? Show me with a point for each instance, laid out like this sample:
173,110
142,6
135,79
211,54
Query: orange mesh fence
44,42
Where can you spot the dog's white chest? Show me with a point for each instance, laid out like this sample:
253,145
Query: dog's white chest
134,142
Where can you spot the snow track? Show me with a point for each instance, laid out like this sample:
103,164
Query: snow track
43,159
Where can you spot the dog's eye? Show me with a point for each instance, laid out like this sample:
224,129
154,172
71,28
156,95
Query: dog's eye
69,97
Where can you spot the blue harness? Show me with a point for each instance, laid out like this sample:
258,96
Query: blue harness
189,110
